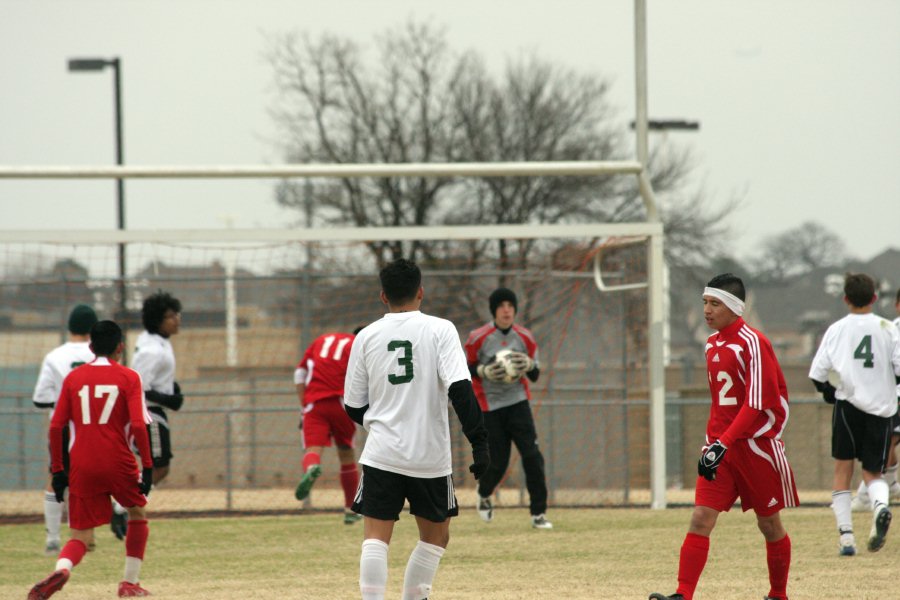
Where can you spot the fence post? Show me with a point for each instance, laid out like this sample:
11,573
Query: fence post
228,467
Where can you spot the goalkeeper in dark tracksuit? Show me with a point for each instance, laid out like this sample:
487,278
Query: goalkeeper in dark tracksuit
507,412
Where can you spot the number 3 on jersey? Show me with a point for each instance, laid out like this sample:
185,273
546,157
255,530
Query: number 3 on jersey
404,359
109,392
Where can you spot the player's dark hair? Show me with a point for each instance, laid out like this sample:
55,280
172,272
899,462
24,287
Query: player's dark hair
400,280
154,309
730,283
859,289
358,329
105,338
897,297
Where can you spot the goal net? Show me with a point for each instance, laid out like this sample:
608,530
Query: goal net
251,306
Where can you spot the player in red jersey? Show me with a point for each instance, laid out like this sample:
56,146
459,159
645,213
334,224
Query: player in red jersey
102,404
320,388
743,455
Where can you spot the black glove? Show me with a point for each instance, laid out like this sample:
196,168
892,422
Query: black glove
828,393
710,460
146,481
482,458
59,484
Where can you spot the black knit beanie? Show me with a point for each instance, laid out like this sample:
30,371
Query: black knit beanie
81,319
502,295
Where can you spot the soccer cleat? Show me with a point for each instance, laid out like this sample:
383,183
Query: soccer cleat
485,509
52,548
351,517
46,588
861,503
880,524
306,483
847,546
132,590
662,597
540,522
118,523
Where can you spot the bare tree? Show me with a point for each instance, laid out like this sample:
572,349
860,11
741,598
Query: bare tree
798,251
420,102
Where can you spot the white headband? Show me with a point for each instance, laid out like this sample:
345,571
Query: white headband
731,301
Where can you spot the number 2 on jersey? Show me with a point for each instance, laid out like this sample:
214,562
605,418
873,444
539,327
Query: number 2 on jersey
110,392
405,360
727,384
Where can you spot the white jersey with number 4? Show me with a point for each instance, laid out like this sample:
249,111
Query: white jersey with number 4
401,367
864,350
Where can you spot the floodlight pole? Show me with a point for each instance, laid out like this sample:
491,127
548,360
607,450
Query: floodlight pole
87,65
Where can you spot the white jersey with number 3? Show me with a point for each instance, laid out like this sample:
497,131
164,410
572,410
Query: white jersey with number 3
401,367
864,350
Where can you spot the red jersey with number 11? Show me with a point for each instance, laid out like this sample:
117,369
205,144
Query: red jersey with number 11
102,402
742,369
324,366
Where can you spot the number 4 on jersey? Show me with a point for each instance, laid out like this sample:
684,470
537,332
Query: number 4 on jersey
864,353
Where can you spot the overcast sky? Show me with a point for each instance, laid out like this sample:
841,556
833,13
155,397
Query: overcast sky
799,101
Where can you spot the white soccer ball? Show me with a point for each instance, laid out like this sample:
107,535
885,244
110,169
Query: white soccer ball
512,374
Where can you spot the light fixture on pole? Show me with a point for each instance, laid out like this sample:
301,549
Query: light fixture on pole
93,65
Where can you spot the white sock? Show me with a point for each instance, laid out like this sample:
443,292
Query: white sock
118,508
53,511
890,475
863,491
373,569
879,492
64,563
423,564
133,569
840,504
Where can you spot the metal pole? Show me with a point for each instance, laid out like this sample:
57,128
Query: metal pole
120,193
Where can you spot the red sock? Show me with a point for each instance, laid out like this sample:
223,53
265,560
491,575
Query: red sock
74,550
136,538
310,459
349,481
694,552
778,556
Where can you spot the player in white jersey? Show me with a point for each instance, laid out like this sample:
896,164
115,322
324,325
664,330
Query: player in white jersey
401,372
864,350
56,365
862,501
154,360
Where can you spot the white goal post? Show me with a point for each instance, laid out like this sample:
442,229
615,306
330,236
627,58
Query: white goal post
653,228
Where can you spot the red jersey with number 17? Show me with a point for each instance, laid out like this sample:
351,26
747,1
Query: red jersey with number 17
102,402
324,366
742,369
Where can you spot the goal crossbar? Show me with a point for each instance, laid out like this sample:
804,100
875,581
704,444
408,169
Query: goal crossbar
498,169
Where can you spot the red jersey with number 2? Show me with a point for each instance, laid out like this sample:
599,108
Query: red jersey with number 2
102,402
742,369
324,367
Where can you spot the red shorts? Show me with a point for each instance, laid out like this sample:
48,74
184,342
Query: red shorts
757,470
89,493
326,419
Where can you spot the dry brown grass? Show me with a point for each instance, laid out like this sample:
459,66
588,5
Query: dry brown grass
590,554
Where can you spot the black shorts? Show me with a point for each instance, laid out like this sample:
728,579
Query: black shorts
859,435
381,495
160,438
895,420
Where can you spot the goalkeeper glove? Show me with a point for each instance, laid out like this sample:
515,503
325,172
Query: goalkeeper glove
481,457
492,371
521,361
710,460
146,481
59,483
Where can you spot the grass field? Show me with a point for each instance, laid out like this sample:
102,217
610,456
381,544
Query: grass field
590,554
